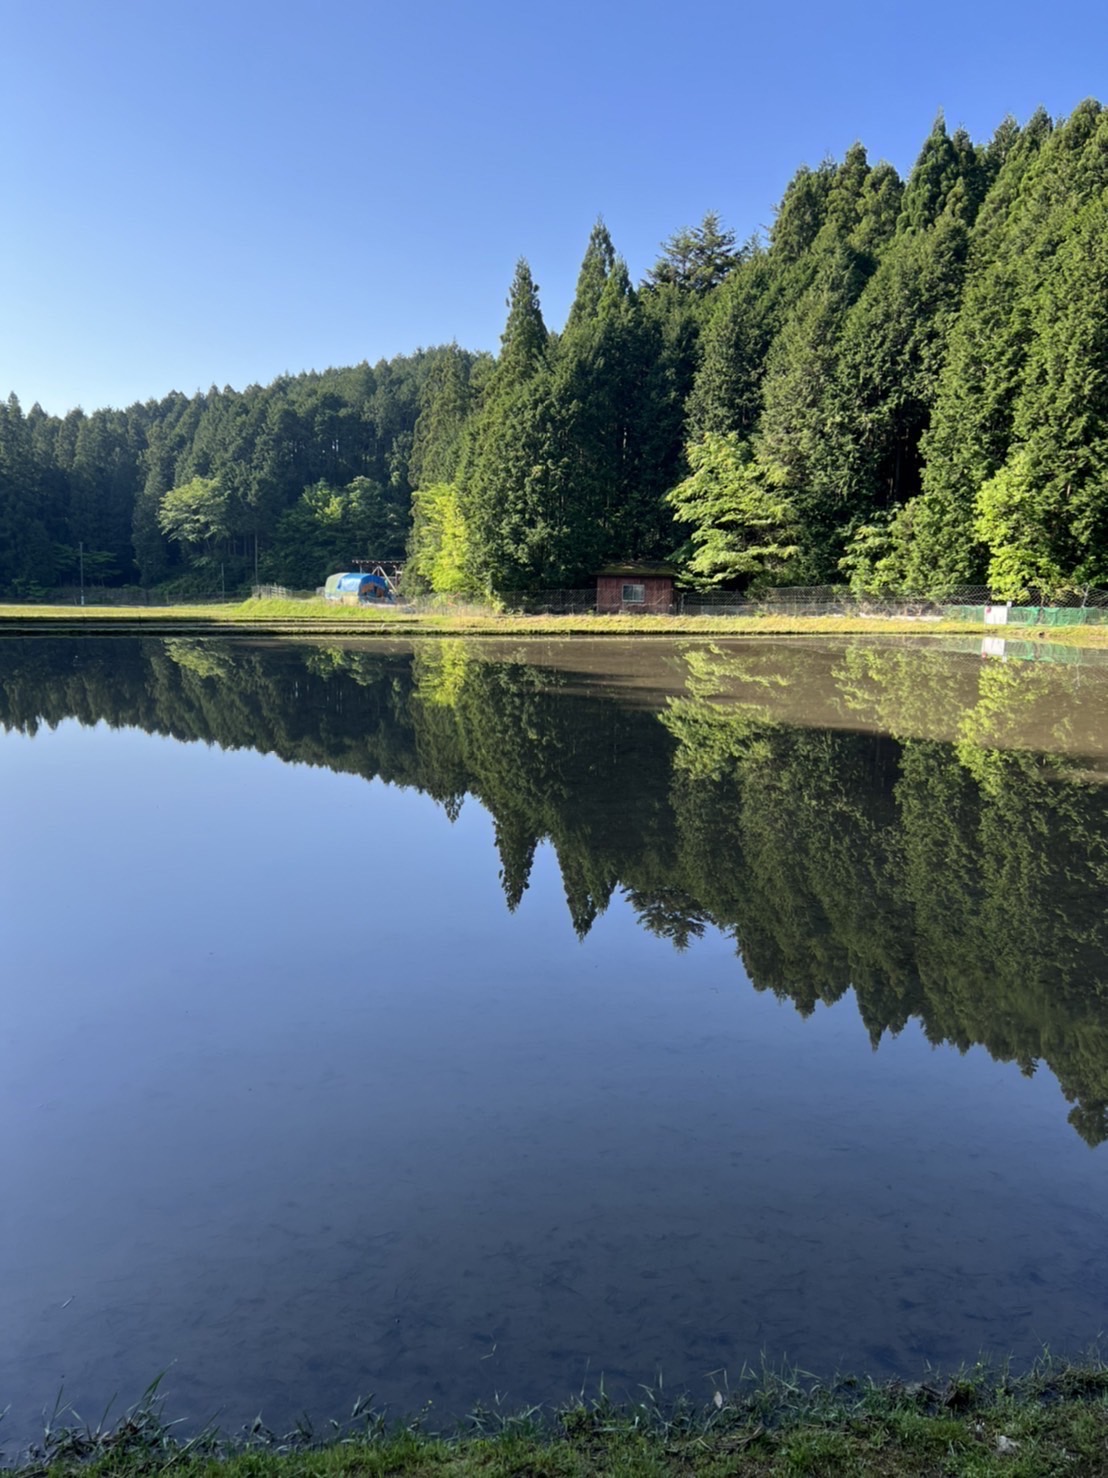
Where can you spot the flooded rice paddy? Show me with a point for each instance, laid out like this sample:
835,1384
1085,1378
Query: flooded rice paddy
471,1021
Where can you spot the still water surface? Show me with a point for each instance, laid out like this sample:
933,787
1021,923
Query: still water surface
459,1021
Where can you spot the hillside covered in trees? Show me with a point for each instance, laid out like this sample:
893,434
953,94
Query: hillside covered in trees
903,387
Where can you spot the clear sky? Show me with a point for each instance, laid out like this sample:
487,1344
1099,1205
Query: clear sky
219,192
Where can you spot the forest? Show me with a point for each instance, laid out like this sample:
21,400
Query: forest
902,386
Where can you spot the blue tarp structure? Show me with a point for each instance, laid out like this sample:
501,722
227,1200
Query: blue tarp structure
356,588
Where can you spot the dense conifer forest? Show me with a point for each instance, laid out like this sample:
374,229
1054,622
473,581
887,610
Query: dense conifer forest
904,386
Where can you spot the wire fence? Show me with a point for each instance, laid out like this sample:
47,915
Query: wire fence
1071,598
808,603
975,603
554,602
123,595
135,595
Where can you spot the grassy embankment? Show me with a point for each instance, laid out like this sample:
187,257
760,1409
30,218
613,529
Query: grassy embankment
1052,1421
281,617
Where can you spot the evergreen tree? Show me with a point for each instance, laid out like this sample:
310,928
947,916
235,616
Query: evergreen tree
727,393
1045,177
669,352
603,500
524,344
27,554
943,163
503,479
790,443
104,479
596,267
860,210
886,380
151,550
1044,514
446,401
696,259
802,212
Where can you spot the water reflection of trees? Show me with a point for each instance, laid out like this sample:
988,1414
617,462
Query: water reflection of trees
962,884
959,883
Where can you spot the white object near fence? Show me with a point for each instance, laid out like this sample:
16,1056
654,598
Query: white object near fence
997,615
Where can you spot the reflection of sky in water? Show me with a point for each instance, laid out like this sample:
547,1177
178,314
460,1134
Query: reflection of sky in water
292,1106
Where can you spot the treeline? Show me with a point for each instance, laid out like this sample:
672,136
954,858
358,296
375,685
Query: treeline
904,386
960,884
275,482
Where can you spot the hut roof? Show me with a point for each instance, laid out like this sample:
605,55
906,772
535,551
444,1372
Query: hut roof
641,568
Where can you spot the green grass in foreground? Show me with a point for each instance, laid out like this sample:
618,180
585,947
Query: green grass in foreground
281,617
1052,1421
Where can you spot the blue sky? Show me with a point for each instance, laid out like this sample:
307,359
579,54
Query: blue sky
222,192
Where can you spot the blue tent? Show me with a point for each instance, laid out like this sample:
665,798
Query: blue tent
356,589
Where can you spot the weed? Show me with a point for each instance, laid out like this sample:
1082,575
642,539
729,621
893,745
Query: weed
978,1421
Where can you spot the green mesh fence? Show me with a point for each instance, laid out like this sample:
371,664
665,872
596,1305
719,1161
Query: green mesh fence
1055,616
1033,615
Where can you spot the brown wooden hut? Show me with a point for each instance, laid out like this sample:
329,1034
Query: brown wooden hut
635,588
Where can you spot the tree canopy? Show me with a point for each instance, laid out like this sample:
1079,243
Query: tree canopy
905,379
